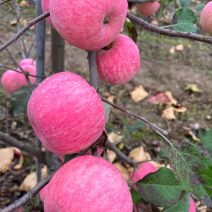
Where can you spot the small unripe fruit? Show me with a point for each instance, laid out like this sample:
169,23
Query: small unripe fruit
45,7
28,61
86,24
8,81
119,62
21,79
88,183
206,18
148,8
66,113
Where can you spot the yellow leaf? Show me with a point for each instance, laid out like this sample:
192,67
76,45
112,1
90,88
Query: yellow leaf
115,137
171,98
111,155
168,114
193,87
23,4
123,170
193,136
138,94
138,154
179,47
172,50
154,22
180,109
121,146
14,22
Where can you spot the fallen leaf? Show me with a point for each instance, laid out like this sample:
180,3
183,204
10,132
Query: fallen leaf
138,155
179,47
168,114
111,155
179,109
172,50
155,22
111,98
193,136
115,137
23,4
123,170
6,159
30,180
193,87
14,22
23,21
171,98
138,94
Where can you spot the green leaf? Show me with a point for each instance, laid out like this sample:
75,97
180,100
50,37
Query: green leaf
185,3
160,188
163,153
193,169
136,126
67,157
107,110
135,195
20,99
183,205
199,7
207,140
125,121
132,32
185,21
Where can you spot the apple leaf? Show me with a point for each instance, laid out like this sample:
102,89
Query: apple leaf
135,195
160,188
107,110
207,140
132,32
184,20
185,3
20,99
183,205
199,7
193,169
136,126
163,154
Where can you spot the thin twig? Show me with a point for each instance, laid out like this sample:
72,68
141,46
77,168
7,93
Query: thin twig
24,29
10,28
154,127
26,73
21,41
22,146
4,2
31,48
160,31
29,195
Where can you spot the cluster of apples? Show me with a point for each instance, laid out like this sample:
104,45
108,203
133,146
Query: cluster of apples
13,81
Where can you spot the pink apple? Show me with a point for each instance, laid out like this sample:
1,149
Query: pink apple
88,183
42,193
66,113
45,7
21,79
28,61
206,18
89,152
86,24
192,206
119,62
148,8
8,81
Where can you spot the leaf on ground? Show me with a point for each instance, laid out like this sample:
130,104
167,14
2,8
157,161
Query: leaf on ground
179,47
138,154
107,110
115,137
180,109
20,99
194,88
168,114
123,170
111,156
183,205
207,140
193,169
138,94
194,137
185,20
160,188
171,98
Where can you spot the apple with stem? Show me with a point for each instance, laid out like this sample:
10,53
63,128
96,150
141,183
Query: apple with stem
66,113
88,183
21,79
148,8
118,62
206,18
28,61
8,81
89,25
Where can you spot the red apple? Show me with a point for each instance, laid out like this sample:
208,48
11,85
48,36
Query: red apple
21,79
45,7
86,24
42,193
8,81
28,61
66,113
88,183
119,62
148,8
192,206
206,18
